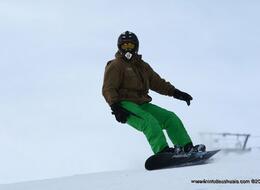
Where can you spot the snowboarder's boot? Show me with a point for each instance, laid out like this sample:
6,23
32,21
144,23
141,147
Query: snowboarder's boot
200,148
189,148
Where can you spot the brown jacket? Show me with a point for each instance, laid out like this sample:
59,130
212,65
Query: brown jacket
132,80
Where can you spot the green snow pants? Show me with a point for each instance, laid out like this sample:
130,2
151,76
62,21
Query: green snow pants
151,120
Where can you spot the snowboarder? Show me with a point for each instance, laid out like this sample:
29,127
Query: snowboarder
126,84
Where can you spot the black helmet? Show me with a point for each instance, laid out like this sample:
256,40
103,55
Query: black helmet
128,44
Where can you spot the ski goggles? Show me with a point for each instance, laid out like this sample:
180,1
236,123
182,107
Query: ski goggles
128,46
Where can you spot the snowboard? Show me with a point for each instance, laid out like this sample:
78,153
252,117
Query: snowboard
169,160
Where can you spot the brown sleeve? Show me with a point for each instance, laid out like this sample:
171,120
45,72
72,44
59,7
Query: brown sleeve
111,83
159,84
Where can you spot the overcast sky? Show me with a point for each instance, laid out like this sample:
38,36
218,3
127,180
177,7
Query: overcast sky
53,118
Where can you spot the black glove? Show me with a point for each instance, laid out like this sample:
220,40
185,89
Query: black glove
182,96
120,113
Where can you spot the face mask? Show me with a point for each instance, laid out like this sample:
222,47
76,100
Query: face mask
128,55
128,49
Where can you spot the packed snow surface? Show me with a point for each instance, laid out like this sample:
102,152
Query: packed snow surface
224,167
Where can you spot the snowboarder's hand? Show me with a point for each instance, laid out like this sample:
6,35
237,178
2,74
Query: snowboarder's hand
182,96
120,113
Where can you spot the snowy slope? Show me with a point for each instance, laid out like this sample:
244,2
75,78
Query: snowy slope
224,167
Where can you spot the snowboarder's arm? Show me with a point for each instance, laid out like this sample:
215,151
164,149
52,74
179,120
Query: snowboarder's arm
111,83
159,84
